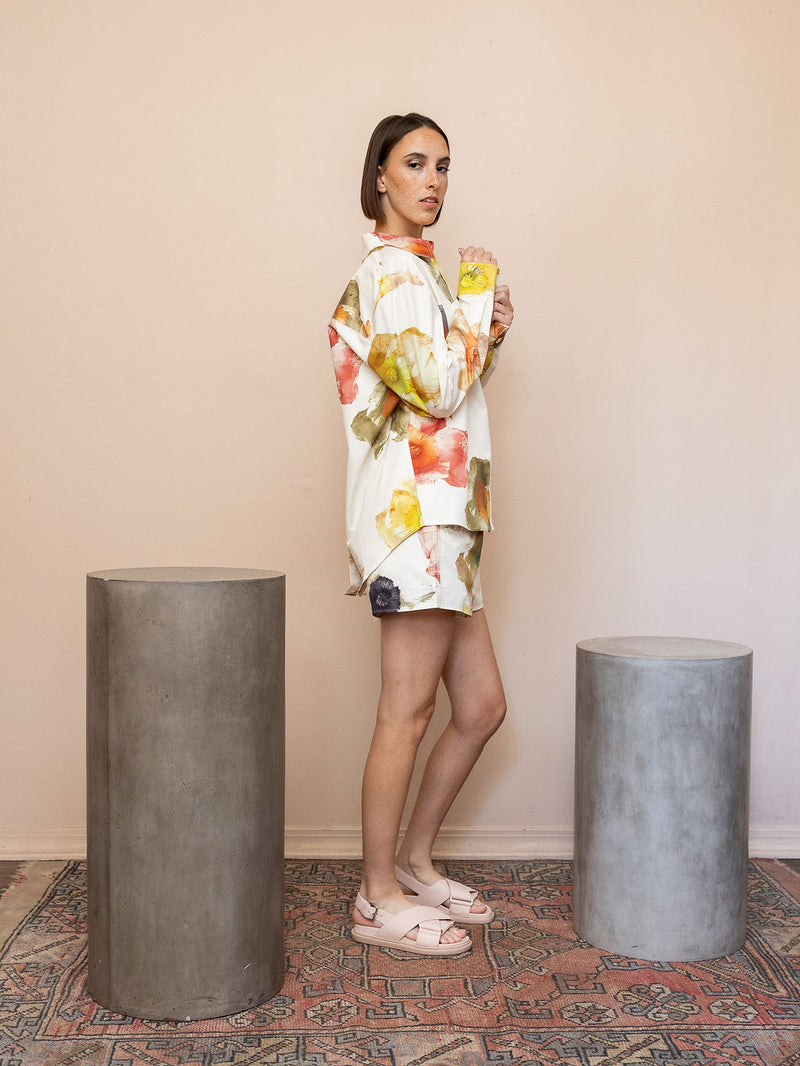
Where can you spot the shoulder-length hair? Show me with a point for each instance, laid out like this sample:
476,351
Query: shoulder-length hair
384,137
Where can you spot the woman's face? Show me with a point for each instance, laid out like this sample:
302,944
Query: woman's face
412,182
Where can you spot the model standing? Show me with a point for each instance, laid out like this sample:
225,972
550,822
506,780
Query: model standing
411,364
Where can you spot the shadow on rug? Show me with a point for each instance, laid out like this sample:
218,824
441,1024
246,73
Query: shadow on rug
529,994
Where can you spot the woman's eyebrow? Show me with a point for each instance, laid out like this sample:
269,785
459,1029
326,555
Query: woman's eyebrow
421,155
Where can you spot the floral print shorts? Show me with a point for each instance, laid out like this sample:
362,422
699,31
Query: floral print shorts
436,567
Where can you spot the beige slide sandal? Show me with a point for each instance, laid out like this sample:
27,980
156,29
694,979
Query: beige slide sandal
393,930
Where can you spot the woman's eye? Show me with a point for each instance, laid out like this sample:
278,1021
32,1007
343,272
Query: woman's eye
443,170
414,165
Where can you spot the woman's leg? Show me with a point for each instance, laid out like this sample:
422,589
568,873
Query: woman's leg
414,651
473,683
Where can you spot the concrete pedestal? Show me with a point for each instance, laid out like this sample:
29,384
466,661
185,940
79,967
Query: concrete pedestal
661,796
185,763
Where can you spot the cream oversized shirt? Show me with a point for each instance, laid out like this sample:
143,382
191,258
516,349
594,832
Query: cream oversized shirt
410,363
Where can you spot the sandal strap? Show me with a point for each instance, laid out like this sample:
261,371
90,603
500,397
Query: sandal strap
368,910
461,897
456,897
461,893
428,921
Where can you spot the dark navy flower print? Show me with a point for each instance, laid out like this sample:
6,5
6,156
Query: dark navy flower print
384,596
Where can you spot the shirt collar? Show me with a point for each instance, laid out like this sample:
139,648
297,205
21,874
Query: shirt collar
416,245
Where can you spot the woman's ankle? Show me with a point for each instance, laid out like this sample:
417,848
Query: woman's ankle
415,863
379,891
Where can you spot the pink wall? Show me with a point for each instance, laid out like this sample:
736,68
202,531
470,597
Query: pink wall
181,214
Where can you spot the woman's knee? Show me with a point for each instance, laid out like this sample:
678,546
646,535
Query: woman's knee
494,714
412,719
483,719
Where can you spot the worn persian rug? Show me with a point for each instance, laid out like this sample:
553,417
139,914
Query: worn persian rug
529,994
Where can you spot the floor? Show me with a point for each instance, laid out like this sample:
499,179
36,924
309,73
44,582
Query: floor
9,868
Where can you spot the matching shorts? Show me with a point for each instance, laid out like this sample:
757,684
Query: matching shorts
436,567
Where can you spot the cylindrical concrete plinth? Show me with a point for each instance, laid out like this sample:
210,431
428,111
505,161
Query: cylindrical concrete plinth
661,796
185,753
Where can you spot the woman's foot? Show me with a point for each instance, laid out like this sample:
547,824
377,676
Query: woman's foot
395,904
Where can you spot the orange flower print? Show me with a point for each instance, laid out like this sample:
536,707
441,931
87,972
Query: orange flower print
438,452
346,365
496,333
467,341
387,282
478,510
472,357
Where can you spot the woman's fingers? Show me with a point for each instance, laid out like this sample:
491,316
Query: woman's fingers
476,254
502,312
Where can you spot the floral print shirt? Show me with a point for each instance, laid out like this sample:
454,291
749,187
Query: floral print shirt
410,363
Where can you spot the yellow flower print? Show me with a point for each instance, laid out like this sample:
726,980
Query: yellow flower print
388,282
475,278
407,364
402,517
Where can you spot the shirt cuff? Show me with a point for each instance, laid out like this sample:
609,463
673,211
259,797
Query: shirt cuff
474,279
497,334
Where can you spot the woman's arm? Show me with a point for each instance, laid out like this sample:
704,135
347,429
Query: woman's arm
502,317
429,354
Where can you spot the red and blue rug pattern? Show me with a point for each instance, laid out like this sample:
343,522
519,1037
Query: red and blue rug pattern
530,993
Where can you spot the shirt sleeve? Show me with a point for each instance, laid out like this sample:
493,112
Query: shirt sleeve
428,352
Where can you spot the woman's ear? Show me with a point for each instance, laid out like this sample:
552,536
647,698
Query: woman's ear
381,183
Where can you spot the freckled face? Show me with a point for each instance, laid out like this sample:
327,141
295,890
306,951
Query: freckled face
412,183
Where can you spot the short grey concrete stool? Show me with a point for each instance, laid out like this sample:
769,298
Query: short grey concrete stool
185,753
661,796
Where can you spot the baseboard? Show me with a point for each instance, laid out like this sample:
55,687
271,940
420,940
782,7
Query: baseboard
493,843
42,843
781,842
501,842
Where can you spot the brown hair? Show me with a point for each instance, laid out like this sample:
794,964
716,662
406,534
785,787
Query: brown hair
384,137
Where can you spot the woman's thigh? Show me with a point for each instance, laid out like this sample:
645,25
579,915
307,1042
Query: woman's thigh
421,648
414,650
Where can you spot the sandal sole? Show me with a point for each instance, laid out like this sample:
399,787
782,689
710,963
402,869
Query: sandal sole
410,945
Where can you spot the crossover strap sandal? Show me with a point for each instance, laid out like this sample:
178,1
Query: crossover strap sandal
393,930
449,896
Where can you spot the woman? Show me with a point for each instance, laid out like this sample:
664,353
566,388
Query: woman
411,362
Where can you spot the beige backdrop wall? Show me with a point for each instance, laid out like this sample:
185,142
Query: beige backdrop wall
179,216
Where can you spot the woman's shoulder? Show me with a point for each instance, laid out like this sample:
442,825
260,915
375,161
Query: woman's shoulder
384,255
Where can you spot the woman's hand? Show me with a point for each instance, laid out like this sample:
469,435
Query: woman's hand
503,312
473,254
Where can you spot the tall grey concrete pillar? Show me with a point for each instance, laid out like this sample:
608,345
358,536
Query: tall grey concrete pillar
185,752
661,796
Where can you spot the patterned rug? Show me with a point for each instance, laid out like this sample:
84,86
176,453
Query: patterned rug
530,993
